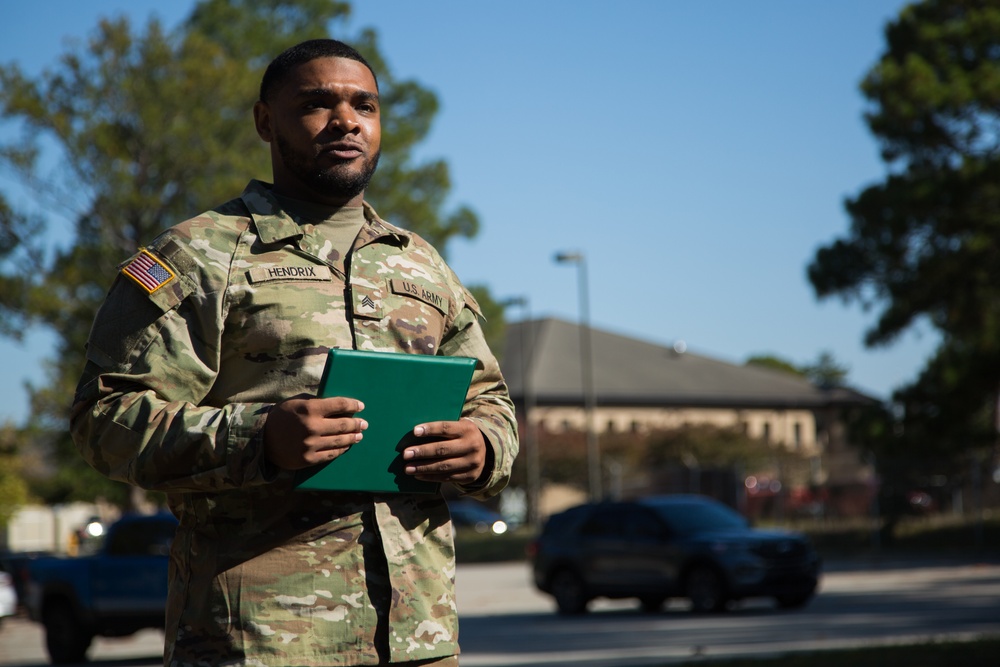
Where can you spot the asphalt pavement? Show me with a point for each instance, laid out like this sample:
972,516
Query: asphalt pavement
506,623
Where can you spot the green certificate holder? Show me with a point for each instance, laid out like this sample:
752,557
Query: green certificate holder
399,391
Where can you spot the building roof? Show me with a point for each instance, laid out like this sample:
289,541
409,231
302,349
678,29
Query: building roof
631,372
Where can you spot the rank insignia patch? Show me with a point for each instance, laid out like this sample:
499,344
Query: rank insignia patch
150,273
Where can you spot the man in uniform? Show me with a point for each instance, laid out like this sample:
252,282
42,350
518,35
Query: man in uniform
202,369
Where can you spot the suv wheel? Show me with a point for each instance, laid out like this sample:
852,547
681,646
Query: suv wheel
706,589
66,639
569,592
652,603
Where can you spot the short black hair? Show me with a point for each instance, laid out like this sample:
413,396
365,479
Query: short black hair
305,52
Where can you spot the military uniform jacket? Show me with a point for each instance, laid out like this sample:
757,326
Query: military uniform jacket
235,312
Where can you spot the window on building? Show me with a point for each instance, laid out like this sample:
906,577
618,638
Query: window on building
767,432
798,435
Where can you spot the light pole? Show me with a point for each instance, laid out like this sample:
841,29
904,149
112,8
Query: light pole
528,438
586,371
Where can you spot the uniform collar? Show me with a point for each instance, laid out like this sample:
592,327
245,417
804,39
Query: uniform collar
274,225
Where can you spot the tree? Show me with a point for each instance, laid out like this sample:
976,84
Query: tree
153,127
922,245
774,363
13,489
825,373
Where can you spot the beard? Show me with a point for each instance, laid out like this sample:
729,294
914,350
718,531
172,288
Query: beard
339,181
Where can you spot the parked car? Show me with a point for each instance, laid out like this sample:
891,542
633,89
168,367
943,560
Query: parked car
661,547
114,592
8,596
471,514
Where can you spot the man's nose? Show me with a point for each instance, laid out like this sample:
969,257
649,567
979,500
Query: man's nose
343,119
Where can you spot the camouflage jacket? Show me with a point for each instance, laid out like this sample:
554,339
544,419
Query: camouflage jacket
218,319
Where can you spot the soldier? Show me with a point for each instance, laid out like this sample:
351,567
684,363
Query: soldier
202,366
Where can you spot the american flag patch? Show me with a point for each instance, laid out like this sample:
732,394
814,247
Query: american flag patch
150,273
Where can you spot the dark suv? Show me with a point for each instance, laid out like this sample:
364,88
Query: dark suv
669,546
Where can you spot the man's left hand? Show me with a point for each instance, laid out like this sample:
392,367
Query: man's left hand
455,452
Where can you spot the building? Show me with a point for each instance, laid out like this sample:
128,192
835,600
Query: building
640,387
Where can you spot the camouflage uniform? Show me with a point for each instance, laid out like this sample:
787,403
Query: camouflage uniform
243,304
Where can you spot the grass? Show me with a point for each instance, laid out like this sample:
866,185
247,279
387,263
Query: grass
978,653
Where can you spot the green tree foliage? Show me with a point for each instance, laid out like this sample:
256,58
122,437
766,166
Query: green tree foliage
151,127
826,372
644,457
495,326
922,244
13,488
774,363
714,446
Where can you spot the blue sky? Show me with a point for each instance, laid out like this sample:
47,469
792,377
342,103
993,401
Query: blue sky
697,153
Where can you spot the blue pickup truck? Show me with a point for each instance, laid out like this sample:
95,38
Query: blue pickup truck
119,590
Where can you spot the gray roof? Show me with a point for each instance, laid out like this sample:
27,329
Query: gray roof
632,372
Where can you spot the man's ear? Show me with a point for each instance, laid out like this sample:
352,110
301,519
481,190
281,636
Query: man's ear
262,121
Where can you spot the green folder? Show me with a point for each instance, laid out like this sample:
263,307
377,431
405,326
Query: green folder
399,391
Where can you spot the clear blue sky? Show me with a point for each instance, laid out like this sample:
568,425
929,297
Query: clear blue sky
697,153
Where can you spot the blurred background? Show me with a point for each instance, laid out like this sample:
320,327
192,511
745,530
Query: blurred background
743,250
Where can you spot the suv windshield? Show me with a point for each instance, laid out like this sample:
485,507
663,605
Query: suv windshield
690,518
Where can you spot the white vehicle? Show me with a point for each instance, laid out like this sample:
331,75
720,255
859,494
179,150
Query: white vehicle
8,596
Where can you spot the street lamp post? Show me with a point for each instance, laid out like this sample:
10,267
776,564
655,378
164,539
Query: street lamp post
528,438
586,371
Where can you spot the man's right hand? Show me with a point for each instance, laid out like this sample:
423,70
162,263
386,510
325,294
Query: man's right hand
303,431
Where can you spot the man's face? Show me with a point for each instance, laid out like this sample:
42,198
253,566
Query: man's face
323,124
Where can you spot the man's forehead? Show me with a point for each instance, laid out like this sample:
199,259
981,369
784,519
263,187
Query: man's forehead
331,73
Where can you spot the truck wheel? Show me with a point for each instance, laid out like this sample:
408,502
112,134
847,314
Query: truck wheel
65,637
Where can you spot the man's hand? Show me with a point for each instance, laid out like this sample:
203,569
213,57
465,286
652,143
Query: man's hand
303,431
455,452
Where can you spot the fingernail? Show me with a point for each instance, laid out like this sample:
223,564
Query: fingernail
419,430
407,453
410,470
363,424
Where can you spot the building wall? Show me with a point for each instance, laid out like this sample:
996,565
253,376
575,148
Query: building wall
40,528
792,429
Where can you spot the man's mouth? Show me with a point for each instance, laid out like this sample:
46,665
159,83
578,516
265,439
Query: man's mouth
342,150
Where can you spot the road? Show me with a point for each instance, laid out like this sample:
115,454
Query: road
505,623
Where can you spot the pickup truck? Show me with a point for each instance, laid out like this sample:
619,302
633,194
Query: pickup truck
114,592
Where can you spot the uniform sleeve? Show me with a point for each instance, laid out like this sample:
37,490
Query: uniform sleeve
152,357
487,403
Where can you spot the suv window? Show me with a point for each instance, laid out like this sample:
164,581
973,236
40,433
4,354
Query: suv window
691,518
604,521
565,522
142,538
640,523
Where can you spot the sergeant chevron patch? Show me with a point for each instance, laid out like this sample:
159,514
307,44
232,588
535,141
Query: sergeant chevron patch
148,272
